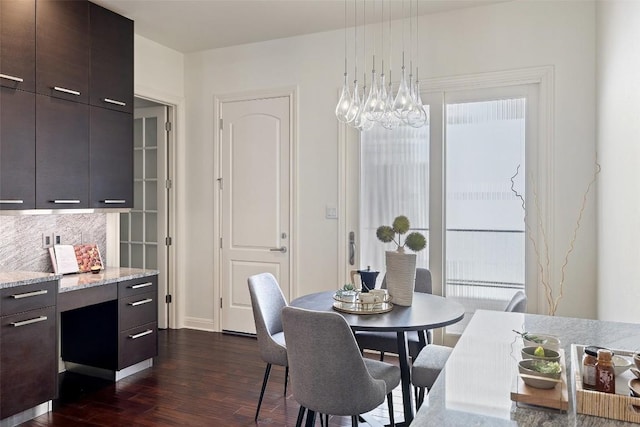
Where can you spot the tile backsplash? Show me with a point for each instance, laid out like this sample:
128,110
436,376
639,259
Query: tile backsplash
21,241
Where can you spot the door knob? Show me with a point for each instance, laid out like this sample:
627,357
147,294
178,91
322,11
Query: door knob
282,249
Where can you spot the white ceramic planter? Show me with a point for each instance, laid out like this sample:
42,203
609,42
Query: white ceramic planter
401,275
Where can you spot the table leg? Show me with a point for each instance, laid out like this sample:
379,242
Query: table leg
405,377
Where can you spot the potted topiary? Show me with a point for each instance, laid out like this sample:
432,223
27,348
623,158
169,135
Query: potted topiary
401,266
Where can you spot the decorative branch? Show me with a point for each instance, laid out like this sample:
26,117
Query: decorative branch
552,301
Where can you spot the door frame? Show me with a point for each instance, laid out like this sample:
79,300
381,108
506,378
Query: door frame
290,92
175,153
542,169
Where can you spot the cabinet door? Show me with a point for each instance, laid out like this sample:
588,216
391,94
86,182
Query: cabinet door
29,360
111,59
17,149
18,44
111,161
62,154
62,49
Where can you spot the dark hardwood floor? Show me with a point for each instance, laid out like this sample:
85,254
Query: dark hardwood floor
198,379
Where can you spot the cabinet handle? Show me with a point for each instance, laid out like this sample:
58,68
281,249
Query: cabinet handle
29,321
29,294
113,101
114,201
141,334
63,202
143,301
141,285
65,90
13,78
18,202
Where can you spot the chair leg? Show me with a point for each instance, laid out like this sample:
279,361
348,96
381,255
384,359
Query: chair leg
267,371
392,421
300,416
354,421
420,396
311,418
286,379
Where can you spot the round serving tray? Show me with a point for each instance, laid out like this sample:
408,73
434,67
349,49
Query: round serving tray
362,308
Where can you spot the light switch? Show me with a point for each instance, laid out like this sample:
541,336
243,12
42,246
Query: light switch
331,212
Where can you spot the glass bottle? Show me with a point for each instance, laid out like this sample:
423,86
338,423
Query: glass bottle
605,375
589,360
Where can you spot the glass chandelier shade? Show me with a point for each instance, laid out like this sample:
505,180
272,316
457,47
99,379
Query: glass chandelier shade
364,109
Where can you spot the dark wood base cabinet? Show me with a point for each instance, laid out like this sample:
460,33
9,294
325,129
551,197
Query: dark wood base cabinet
28,347
115,334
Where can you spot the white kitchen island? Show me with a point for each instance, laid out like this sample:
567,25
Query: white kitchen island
474,388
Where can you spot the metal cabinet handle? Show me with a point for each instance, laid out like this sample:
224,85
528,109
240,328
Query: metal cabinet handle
13,78
144,301
282,249
6,201
65,90
113,101
63,202
141,334
114,201
141,285
29,294
29,321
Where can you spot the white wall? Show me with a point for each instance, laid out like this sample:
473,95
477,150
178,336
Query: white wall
619,153
159,76
504,36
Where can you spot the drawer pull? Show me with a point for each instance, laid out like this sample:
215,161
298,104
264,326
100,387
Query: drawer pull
113,101
140,285
29,294
141,334
13,78
66,202
29,321
114,201
17,202
144,301
65,90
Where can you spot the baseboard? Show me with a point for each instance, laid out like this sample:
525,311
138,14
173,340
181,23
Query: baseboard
199,324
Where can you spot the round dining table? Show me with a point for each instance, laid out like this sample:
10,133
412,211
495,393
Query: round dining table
426,312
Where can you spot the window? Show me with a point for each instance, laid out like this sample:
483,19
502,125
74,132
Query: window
452,179
394,181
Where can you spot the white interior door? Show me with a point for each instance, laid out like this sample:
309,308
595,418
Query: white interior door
255,202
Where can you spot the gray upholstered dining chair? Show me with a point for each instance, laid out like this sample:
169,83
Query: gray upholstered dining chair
267,302
518,303
426,368
386,342
328,373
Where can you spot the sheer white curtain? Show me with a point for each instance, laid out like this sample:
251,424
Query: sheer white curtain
394,181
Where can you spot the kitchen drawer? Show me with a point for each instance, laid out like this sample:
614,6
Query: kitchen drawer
28,297
138,344
137,310
29,360
138,286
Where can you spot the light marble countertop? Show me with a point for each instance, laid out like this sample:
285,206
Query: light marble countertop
10,279
72,282
474,388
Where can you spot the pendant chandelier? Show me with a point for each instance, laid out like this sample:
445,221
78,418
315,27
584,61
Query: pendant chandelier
362,107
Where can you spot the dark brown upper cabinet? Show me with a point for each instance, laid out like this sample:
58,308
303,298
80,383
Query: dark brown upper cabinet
111,60
111,162
17,149
62,154
18,44
62,49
